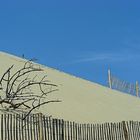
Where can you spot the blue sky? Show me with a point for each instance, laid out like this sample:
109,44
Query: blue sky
80,37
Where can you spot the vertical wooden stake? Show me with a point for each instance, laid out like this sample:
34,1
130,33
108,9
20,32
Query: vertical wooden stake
125,130
137,89
40,126
109,79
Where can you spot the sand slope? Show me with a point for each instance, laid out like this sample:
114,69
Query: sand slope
82,101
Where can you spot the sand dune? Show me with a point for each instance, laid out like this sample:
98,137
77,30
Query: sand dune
82,101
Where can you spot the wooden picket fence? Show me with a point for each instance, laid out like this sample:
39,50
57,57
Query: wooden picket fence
38,127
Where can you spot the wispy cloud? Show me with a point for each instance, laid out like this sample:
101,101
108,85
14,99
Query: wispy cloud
108,57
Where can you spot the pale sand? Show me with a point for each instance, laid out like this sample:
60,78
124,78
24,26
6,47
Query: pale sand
82,101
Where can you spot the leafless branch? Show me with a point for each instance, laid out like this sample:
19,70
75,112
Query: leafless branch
17,89
47,102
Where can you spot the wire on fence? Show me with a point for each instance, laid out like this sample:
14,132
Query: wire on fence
122,85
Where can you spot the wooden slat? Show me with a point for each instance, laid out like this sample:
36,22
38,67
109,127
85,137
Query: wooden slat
44,126
51,130
2,127
47,127
36,127
31,127
5,130
56,129
62,126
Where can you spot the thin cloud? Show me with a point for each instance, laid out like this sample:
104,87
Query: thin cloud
109,57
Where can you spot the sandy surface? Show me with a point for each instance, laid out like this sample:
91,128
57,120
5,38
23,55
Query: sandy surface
82,101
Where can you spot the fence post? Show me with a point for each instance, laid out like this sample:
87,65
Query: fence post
40,126
63,128
109,78
125,130
137,89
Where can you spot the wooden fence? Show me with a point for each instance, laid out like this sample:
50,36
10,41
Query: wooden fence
37,127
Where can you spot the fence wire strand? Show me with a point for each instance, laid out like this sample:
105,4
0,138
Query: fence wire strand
123,86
